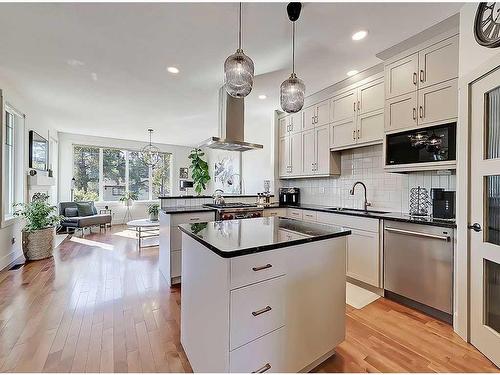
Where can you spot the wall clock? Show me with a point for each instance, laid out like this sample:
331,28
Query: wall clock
487,24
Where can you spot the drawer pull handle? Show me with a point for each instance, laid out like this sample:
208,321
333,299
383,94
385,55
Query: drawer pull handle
194,218
262,267
263,369
262,311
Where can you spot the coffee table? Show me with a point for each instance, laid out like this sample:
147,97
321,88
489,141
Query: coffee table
145,228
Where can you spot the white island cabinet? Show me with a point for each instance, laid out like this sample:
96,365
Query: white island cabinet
262,295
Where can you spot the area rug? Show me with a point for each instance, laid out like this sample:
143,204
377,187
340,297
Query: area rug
358,297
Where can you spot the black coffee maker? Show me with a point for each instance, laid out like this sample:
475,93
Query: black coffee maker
443,204
289,196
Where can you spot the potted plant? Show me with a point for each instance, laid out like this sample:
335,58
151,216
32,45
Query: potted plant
40,229
153,211
199,170
128,198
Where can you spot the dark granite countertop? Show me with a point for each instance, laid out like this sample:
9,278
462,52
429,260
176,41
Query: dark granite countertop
209,196
185,209
394,216
232,238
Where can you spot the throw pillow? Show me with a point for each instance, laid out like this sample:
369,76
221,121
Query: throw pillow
85,209
71,212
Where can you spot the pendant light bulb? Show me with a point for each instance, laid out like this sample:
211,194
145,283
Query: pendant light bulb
238,71
293,89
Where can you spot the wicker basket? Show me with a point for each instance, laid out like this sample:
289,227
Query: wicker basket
39,244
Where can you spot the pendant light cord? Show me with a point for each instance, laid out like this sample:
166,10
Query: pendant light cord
239,28
293,47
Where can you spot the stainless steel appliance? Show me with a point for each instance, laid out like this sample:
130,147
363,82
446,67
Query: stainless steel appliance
426,145
230,211
443,204
418,267
289,196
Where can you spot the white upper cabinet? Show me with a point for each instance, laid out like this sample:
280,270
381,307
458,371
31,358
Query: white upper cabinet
343,106
438,63
401,76
316,115
290,124
308,152
401,112
358,115
284,156
295,154
322,150
283,127
438,103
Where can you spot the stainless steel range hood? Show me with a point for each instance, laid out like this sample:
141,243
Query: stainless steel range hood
231,126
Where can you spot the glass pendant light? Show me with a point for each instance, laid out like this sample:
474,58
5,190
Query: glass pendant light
238,71
150,154
292,90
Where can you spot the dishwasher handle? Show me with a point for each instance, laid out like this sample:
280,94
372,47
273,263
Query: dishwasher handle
418,234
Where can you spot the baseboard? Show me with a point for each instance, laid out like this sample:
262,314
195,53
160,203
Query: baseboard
366,286
10,259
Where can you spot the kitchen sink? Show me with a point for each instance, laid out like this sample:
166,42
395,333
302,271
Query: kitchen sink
357,210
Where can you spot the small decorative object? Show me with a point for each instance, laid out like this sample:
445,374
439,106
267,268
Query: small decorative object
199,170
128,199
32,172
238,70
39,231
150,154
292,90
487,25
50,173
419,201
183,173
153,211
267,186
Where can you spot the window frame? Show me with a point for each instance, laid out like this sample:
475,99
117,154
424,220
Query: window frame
126,150
19,158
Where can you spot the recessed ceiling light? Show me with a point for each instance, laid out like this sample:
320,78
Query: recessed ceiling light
262,97
359,35
173,70
352,72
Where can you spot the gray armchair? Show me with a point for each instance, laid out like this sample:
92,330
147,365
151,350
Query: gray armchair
81,215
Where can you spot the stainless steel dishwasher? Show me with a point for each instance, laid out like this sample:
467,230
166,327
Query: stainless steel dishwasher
418,267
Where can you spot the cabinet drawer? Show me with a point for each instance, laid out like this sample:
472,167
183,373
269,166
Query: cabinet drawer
253,268
288,235
268,212
192,217
294,213
309,215
362,223
256,310
265,354
175,263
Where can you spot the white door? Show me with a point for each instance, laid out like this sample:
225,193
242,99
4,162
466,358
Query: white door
401,76
362,261
322,150
401,112
284,156
435,62
485,216
308,152
296,154
343,106
438,103
322,113
308,117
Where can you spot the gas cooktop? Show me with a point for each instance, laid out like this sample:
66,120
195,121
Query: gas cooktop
226,206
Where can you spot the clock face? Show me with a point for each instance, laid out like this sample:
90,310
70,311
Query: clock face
487,24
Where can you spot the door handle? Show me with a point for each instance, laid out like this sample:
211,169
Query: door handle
260,268
422,75
358,133
354,135
421,111
418,234
414,78
476,227
354,106
263,369
414,113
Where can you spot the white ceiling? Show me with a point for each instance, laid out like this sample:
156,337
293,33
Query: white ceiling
117,84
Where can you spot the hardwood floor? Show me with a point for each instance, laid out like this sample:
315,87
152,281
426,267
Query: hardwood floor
100,306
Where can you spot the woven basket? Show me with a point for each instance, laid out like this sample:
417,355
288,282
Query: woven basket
39,244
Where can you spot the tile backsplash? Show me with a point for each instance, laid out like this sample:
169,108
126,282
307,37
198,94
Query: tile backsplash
386,191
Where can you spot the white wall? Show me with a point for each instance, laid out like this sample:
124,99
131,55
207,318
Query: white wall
34,121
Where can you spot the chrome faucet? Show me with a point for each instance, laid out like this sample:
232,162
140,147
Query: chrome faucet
366,203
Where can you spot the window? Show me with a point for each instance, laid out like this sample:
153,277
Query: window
105,174
114,174
86,173
13,155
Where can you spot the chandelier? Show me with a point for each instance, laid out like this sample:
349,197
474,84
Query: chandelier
150,154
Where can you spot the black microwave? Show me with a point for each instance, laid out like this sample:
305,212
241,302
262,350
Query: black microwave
434,144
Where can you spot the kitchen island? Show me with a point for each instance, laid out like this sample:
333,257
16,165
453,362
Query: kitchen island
262,295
